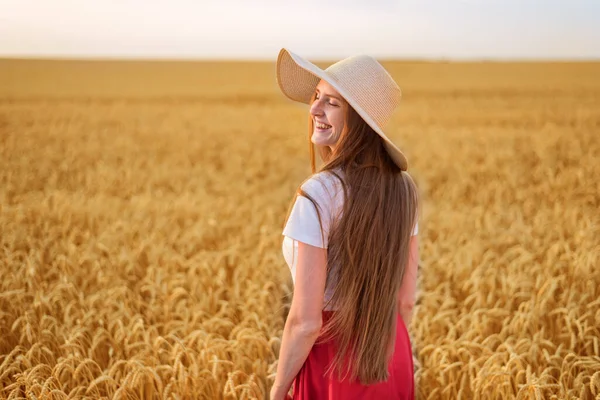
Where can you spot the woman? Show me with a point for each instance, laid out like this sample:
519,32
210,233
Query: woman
350,240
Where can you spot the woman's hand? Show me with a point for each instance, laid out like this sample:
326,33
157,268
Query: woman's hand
277,393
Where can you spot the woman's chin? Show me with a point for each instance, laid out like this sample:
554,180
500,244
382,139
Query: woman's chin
320,139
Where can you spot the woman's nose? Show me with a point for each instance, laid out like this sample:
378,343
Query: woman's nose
315,108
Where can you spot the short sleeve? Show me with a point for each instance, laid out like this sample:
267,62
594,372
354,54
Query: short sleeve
303,223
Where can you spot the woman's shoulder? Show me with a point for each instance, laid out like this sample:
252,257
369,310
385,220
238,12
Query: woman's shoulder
322,183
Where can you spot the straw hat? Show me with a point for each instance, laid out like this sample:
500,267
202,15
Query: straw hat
362,82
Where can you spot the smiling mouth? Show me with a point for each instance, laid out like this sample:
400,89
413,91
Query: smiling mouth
321,125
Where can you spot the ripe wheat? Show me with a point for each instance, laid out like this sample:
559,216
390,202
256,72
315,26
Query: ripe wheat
140,228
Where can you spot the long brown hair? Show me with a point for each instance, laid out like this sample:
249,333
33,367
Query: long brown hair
368,248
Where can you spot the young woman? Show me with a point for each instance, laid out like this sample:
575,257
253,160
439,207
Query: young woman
349,240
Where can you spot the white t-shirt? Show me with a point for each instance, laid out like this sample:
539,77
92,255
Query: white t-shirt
303,222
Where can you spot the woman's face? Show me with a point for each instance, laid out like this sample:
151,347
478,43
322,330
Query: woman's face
328,113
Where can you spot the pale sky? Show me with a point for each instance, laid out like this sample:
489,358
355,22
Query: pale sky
317,29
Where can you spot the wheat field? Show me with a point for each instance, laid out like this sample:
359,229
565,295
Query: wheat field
141,209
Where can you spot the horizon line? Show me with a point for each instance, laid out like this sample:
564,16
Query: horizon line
120,58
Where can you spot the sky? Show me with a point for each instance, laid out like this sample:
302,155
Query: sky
316,29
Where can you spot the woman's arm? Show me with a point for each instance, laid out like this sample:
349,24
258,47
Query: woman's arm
408,288
304,321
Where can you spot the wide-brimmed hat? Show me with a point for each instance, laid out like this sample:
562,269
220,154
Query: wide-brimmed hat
362,82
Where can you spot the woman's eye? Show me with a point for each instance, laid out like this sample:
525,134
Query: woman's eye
317,97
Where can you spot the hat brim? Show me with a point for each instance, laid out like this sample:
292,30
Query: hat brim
298,78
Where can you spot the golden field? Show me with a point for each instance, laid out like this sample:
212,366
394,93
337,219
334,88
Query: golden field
141,209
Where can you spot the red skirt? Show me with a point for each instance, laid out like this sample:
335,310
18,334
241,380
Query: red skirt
311,382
